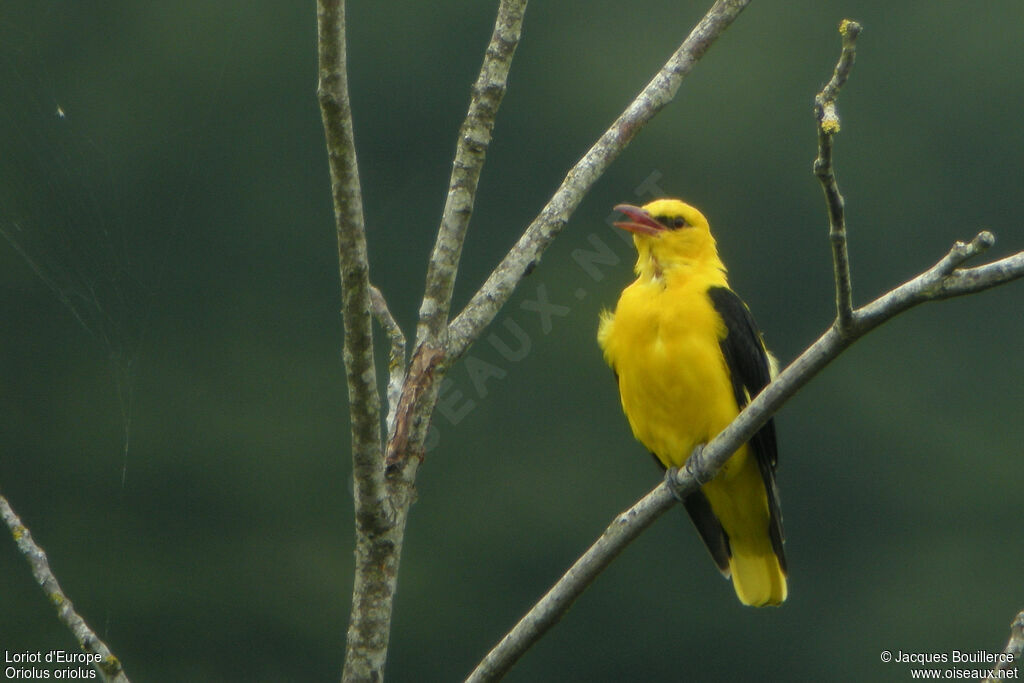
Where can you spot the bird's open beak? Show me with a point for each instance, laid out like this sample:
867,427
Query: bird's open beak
640,222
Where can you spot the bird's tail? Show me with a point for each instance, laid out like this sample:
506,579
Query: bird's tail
757,574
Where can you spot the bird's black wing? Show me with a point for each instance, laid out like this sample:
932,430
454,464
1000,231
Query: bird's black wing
749,370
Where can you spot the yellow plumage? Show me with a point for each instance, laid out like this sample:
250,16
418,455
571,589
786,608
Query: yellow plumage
671,341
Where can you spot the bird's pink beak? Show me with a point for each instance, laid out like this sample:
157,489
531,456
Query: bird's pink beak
640,222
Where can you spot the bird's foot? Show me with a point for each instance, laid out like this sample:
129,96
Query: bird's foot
694,469
673,484
695,466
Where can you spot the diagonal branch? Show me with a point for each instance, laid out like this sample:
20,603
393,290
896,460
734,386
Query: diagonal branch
828,126
474,138
493,294
103,659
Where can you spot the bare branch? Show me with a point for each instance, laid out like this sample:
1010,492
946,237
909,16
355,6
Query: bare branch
373,585
828,126
944,281
379,306
848,30
412,391
962,251
108,666
1014,650
364,402
470,151
493,294
971,280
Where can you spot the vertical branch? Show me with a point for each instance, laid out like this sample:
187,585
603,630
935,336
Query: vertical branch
376,562
364,402
103,659
470,152
828,126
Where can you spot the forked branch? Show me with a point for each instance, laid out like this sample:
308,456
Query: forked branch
385,487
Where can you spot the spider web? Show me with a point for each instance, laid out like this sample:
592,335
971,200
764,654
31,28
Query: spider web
64,212
59,212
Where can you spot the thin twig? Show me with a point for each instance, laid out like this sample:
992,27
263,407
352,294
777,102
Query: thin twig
1013,652
943,281
396,352
470,152
379,306
493,294
108,666
828,126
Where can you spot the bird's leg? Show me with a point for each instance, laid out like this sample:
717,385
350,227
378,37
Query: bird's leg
694,467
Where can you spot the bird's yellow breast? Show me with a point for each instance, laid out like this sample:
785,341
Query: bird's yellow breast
663,343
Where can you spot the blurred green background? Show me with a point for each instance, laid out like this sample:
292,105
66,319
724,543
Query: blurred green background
172,400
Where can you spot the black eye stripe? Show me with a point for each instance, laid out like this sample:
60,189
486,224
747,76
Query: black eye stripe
672,222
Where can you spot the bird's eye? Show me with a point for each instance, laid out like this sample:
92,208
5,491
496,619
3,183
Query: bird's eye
678,222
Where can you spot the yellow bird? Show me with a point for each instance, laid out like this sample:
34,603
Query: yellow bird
688,356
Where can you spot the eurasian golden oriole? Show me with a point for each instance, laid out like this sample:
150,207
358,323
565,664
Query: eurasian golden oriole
688,356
